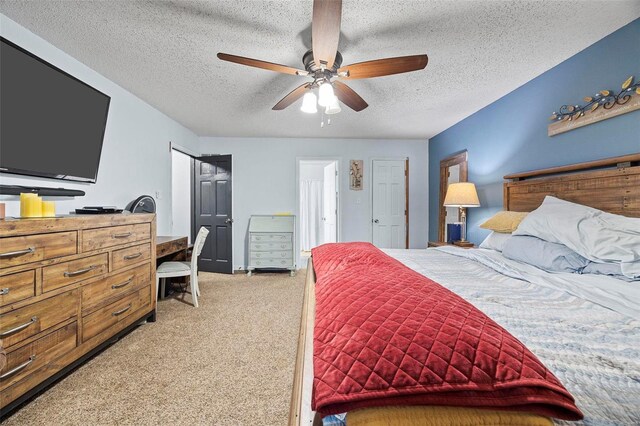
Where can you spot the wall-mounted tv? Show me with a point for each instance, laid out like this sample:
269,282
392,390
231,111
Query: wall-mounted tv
51,124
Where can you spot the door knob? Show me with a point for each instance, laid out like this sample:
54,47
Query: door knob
375,221
229,221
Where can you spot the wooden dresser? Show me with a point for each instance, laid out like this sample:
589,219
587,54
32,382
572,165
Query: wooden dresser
68,285
272,242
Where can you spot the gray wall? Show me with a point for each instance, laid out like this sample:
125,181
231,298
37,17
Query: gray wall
264,181
135,156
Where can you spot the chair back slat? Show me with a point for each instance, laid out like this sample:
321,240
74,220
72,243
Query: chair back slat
197,248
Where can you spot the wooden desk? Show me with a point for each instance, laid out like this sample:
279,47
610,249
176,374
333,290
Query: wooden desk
171,246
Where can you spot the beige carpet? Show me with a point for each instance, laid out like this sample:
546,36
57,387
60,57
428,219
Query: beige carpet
229,362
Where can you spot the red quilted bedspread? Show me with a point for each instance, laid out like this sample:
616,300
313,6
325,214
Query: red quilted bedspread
387,335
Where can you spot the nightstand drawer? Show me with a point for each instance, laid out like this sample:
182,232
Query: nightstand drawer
17,287
33,248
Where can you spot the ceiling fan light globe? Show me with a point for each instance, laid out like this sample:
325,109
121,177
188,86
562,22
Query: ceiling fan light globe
333,107
325,94
309,103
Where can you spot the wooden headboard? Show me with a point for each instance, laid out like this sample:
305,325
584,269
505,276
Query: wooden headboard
612,185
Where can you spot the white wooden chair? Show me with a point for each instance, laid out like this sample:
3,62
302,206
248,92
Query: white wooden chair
183,269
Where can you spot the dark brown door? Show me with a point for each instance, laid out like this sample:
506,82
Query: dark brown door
212,209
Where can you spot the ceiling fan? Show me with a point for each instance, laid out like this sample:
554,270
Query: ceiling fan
323,63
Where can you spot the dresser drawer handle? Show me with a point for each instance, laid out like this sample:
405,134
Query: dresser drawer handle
20,327
18,253
125,235
18,368
4,291
80,271
121,311
124,284
132,256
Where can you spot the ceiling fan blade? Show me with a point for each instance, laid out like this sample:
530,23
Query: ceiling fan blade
382,67
292,97
325,31
261,64
348,96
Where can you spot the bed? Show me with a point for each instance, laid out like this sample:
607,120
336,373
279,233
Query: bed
585,329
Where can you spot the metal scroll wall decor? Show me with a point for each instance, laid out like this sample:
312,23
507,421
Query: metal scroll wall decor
355,175
603,105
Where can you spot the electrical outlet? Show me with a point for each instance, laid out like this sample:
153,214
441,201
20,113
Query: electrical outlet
358,201
158,195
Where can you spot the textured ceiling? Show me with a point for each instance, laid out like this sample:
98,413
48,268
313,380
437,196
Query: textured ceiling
165,53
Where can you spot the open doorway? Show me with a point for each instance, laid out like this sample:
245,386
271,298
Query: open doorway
181,189
201,196
318,201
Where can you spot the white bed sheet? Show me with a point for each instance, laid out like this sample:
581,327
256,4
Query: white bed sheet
585,329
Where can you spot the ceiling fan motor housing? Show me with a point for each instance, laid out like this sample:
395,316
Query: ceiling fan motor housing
315,70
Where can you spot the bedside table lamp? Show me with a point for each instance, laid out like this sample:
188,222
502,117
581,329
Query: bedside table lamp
462,195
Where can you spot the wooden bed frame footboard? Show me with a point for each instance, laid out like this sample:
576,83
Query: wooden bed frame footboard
300,412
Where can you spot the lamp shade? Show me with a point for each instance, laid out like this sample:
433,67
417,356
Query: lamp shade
325,94
333,107
462,194
309,103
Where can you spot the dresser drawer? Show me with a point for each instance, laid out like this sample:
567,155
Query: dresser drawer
115,286
25,360
271,246
62,274
30,320
274,255
93,239
130,256
271,263
33,248
270,237
17,287
99,321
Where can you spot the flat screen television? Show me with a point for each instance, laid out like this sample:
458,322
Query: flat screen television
51,124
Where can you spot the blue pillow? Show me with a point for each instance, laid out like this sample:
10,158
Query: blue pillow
611,269
551,257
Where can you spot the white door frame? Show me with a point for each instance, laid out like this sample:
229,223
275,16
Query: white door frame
339,183
370,180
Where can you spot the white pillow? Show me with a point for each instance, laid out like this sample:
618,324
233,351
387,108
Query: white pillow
495,241
592,233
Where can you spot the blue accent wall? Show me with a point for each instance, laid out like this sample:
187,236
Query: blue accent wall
510,135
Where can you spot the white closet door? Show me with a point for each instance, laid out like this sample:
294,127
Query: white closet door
330,217
388,204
